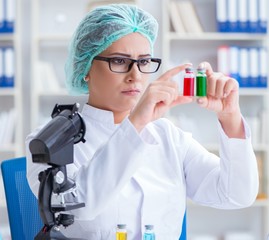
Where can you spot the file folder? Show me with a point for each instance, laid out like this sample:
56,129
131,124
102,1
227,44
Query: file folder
2,16
253,16
10,15
9,67
1,67
243,67
262,15
243,22
232,16
222,18
234,62
263,67
253,67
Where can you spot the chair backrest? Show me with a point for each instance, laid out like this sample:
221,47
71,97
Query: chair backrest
183,235
22,205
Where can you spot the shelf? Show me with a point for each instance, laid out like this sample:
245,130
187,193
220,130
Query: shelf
53,38
11,97
6,37
8,91
60,93
253,91
10,148
216,36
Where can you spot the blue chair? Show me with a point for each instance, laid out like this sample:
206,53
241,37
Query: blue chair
22,205
183,235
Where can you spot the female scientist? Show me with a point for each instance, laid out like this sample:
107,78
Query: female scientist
136,167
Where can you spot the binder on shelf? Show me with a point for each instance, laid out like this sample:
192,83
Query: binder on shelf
7,127
46,77
10,15
234,62
243,67
1,66
189,17
223,59
253,67
263,67
248,65
1,16
243,23
9,67
175,19
7,62
262,14
222,15
242,16
232,16
253,16
7,16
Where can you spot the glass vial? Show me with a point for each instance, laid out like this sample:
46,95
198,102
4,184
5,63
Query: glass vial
121,233
188,86
201,83
149,233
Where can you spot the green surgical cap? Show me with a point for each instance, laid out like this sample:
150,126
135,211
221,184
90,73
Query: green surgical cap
96,32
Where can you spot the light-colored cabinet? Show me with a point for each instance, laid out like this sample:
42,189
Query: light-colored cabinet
203,46
11,118
11,113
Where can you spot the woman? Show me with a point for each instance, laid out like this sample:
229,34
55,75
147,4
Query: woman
136,167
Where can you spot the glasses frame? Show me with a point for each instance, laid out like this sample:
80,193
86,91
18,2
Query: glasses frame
109,59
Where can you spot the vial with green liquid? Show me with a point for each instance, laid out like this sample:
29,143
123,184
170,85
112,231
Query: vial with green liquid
149,233
201,83
121,233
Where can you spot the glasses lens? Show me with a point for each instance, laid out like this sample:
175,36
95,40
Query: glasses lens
124,65
120,65
148,65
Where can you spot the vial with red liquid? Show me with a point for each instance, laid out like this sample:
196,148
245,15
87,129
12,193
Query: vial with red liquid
189,82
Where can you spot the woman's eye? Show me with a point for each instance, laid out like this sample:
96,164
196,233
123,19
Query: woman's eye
144,61
118,61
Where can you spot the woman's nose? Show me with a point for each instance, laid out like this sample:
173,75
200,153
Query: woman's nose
134,73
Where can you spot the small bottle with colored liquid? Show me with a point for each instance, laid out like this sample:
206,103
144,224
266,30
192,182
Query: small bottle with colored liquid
201,83
149,233
121,233
188,84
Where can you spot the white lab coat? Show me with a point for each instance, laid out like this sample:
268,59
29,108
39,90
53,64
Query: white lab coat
137,179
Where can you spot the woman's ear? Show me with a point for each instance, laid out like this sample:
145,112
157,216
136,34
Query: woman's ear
86,78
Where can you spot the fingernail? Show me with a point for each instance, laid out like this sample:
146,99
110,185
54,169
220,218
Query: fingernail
188,64
200,100
225,95
201,65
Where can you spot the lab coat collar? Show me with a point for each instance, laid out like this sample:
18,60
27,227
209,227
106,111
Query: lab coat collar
100,115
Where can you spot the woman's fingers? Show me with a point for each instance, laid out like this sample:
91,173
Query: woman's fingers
174,71
218,85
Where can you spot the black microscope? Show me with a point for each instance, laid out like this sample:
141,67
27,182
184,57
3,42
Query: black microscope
54,145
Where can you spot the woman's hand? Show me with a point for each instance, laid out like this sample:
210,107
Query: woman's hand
159,96
223,98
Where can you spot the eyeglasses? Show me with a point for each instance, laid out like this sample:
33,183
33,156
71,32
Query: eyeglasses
124,65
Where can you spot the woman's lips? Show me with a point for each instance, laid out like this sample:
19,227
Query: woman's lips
131,92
